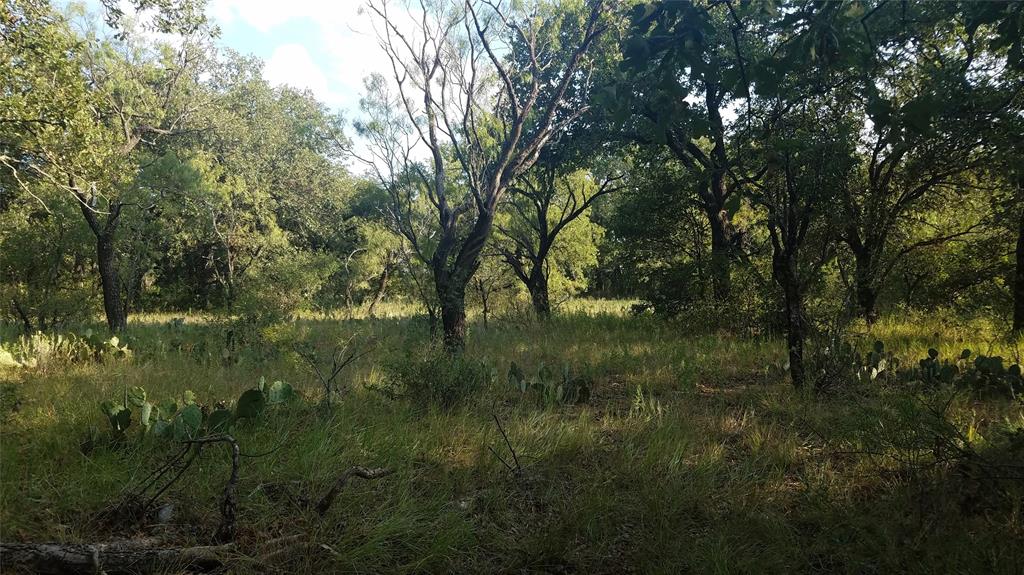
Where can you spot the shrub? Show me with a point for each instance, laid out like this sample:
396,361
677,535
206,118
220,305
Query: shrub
984,377
189,419
42,350
436,378
551,388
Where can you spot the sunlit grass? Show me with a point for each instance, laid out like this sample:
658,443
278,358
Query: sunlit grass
692,455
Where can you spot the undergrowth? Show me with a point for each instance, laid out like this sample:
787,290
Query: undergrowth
665,452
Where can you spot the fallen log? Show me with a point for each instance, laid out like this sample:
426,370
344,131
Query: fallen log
110,558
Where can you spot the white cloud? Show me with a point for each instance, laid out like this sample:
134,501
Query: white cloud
265,15
332,63
291,65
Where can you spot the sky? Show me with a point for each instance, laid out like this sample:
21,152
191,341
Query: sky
326,46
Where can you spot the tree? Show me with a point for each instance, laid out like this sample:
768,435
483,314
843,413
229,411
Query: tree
810,158
686,71
83,109
934,97
543,203
270,202
468,104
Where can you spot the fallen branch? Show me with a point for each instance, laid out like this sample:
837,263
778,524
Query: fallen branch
363,472
111,558
229,501
518,469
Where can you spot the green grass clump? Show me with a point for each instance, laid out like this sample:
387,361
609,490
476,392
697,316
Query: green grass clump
429,376
690,453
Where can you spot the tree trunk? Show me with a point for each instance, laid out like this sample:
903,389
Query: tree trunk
785,272
106,256
865,290
452,277
452,300
26,322
382,287
795,336
106,261
1018,282
484,296
721,226
721,274
538,286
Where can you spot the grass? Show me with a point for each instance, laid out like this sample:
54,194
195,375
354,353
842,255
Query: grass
693,455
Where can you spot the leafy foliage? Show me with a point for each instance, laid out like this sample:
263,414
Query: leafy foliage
188,420
432,377
549,387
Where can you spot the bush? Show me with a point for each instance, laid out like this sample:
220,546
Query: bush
983,377
284,286
436,378
833,362
550,387
42,350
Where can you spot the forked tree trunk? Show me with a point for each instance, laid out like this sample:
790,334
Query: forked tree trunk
106,257
452,273
382,287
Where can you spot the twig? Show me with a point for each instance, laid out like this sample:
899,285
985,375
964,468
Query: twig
195,453
501,459
363,472
341,357
518,468
229,501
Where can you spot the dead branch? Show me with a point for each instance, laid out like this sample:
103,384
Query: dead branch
341,357
339,484
229,501
110,558
518,469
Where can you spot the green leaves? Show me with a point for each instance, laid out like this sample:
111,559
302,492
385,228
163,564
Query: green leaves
985,376
187,423
917,114
250,404
280,392
145,413
120,417
880,110
137,396
516,377
733,203
551,389
191,420
641,13
637,51
220,421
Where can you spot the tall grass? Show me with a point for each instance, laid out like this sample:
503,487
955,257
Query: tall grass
692,454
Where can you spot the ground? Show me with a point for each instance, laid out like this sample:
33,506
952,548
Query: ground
692,454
